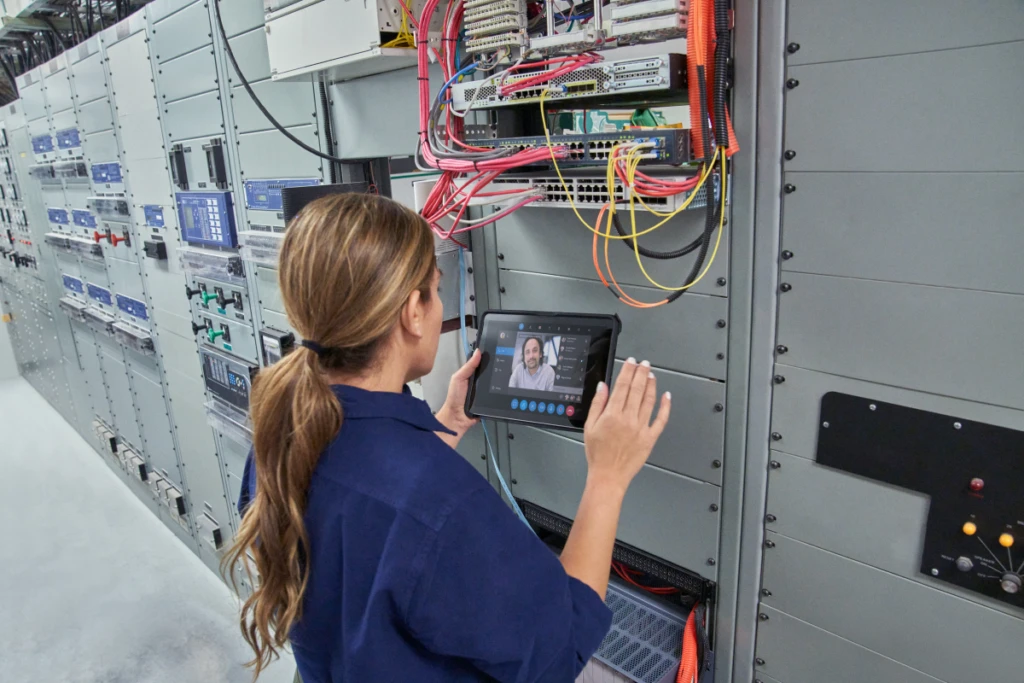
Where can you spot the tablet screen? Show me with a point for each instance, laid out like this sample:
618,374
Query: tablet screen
542,368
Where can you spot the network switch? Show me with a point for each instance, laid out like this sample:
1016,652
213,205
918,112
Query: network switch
591,191
669,146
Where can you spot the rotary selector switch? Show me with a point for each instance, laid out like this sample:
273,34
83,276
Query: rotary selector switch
1011,583
964,564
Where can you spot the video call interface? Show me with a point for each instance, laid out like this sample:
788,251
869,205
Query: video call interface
542,367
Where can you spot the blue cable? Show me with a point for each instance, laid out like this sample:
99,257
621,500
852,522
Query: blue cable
483,424
461,72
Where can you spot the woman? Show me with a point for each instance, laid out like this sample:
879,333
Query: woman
382,554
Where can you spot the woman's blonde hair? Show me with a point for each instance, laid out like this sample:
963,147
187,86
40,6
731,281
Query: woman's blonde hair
347,266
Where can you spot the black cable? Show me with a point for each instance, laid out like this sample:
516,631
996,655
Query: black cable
721,71
328,130
63,43
256,100
650,253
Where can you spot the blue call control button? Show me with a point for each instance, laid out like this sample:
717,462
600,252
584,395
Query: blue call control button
541,407
551,409
533,406
561,409
515,403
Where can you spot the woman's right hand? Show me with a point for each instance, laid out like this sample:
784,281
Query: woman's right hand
619,435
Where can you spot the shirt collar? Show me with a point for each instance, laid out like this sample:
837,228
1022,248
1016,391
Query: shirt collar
362,404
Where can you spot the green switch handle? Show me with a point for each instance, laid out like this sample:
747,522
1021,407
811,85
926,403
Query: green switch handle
213,334
207,297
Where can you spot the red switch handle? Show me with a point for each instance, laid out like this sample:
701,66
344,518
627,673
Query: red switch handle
97,235
115,240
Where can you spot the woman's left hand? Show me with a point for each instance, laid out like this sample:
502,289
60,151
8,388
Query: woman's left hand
453,413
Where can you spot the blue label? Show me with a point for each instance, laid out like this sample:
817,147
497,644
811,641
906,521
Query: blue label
206,218
504,351
265,195
106,173
132,307
68,138
83,218
42,143
73,284
59,216
154,215
100,294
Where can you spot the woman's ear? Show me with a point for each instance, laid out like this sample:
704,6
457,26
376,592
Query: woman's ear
414,314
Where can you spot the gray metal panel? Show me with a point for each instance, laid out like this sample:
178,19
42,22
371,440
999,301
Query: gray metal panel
181,32
366,129
94,117
278,320
120,393
251,54
58,91
188,75
151,184
795,410
815,504
156,427
270,155
141,138
908,230
90,81
937,633
553,242
242,343
179,354
100,148
233,455
32,100
292,104
833,127
65,119
125,277
664,514
269,292
833,30
947,341
131,75
797,652
94,272
688,338
194,117
694,437
240,15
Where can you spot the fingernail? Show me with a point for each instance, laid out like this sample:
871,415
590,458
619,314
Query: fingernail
631,360
668,395
650,376
600,386
645,363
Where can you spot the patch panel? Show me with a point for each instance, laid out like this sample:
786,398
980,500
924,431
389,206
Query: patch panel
669,146
656,28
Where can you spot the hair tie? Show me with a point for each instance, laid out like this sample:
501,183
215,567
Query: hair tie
314,347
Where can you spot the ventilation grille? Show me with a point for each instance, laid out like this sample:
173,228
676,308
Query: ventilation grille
645,641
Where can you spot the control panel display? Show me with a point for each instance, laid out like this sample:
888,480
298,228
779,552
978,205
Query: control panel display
154,215
58,216
265,195
83,218
100,294
73,284
106,173
227,379
973,473
68,138
41,144
207,218
132,307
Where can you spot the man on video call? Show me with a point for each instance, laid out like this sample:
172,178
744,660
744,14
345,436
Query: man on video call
533,373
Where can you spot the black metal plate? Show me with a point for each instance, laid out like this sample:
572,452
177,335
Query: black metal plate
939,455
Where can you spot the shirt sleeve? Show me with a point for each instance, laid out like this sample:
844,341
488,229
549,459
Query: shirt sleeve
248,489
492,593
513,381
549,379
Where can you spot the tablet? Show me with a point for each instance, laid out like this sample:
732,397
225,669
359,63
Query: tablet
541,368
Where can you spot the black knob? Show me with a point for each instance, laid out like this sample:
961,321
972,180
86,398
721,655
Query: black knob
501,257
189,292
785,287
793,48
792,83
196,329
779,379
790,155
790,188
719,407
501,289
720,323
776,436
721,282
770,518
782,348
786,255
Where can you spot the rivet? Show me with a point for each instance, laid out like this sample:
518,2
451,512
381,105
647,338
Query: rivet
469,270
711,562
770,518
501,257
792,48
785,287
825,424
720,323
776,436
786,255
872,407
719,407
515,481
721,281
762,616
501,289
792,83
778,379
790,155
789,188
511,436
935,572
957,425
713,507
766,593
782,348
720,356
769,544
775,464
759,661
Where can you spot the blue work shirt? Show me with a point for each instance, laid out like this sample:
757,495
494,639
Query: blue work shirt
419,572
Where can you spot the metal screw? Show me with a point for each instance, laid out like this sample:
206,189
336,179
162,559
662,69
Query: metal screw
790,155
469,270
501,257
872,407
716,464
511,436
719,407
775,464
770,518
776,436
792,47
825,424
935,572
769,544
721,282
711,562
483,457
759,661
713,507
957,425
472,297
514,481
720,356
766,593
782,348
779,379
785,287
762,616
501,289
720,323
792,83
789,188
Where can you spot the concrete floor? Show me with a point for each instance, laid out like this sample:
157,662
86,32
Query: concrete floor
93,588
